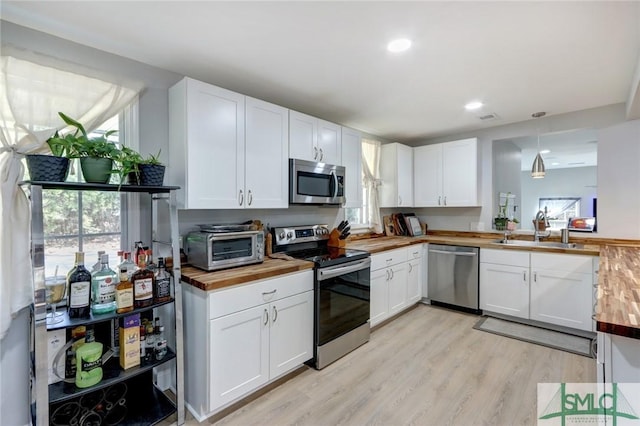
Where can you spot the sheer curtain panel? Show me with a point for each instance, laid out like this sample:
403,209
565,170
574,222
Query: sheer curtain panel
31,95
371,180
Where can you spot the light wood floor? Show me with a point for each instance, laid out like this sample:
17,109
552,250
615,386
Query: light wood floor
428,367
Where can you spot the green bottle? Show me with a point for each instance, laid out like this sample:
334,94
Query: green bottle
103,288
89,364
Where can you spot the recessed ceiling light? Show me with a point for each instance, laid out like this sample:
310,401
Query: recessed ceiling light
399,45
545,151
473,105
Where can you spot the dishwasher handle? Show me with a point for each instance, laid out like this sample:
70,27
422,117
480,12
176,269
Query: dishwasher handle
455,253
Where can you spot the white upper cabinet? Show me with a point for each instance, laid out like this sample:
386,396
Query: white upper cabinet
396,173
213,162
266,155
313,139
446,175
352,161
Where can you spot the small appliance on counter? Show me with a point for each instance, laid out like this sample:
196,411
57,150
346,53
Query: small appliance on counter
582,224
217,247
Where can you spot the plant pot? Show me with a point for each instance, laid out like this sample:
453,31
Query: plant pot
96,170
500,223
133,178
151,174
47,168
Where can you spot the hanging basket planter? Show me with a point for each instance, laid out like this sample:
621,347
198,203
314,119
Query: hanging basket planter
47,168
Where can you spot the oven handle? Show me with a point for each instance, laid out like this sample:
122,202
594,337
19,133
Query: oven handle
334,271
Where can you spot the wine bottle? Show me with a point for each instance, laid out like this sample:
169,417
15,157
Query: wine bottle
79,289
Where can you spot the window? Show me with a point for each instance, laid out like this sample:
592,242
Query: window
559,210
368,215
83,221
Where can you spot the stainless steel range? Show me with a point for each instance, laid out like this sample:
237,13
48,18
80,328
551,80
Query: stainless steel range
342,290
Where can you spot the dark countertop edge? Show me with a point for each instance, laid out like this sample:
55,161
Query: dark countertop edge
618,330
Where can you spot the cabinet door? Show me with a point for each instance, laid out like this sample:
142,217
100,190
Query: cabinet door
427,175
352,161
460,180
291,334
266,159
215,147
562,298
398,289
504,289
379,309
414,281
239,360
329,143
405,176
303,133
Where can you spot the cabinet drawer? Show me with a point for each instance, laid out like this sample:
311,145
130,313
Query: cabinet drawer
562,262
388,258
505,257
245,296
414,251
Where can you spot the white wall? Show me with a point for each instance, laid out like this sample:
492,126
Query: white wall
619,180
571,182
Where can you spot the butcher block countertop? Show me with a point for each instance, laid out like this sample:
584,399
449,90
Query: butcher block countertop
376,245
229,277
618,307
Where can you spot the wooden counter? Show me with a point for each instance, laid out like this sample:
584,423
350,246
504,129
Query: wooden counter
228,277
618,307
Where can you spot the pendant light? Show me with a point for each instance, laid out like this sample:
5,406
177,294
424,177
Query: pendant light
537,169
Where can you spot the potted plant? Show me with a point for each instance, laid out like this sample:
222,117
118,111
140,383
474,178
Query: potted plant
96,154
54,167
151,171
128,166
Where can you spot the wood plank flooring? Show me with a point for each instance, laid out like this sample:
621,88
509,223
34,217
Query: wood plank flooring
428,367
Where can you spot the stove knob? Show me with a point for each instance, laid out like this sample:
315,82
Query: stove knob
319,231
281,235
289,235
325,231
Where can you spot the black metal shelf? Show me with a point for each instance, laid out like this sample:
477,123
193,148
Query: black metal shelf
94,319
112,374
81,186
143,403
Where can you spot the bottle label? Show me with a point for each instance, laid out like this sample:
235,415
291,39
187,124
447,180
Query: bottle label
143,289
106,290
163,286
124,298
79,297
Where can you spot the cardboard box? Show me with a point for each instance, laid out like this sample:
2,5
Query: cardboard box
130,341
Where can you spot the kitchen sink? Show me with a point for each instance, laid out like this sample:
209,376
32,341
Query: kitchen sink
547,244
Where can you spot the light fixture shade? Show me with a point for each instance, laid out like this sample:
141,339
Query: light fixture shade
537,170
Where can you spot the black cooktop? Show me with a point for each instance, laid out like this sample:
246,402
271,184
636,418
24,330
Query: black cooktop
329,256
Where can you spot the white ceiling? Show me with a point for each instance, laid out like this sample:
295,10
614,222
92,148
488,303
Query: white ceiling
328,58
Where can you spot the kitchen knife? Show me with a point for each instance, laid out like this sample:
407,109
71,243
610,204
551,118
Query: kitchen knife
344,235
346,229
342,225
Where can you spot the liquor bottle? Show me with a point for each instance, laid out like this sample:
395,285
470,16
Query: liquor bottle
161,344
138,249
150,344
103,286
96,266
128,264
79,289
124,293
162,288
150,265
143,282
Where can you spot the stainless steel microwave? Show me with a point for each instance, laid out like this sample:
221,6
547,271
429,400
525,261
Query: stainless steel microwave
315,183
212,250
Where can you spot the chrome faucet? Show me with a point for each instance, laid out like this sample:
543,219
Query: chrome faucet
540,216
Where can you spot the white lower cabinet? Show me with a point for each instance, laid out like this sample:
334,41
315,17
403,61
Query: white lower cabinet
396,282
244,337
547,287
504,282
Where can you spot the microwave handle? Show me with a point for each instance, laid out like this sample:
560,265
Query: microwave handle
335,183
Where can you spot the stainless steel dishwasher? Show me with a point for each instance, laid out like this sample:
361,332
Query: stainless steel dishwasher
453,276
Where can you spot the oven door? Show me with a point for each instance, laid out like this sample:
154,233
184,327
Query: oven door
233,249
342,299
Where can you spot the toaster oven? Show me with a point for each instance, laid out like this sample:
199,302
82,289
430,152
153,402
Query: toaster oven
212,251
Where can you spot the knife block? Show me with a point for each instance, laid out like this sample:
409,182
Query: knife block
334,240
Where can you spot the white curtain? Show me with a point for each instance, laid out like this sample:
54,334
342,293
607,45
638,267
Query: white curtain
371,180
31,94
